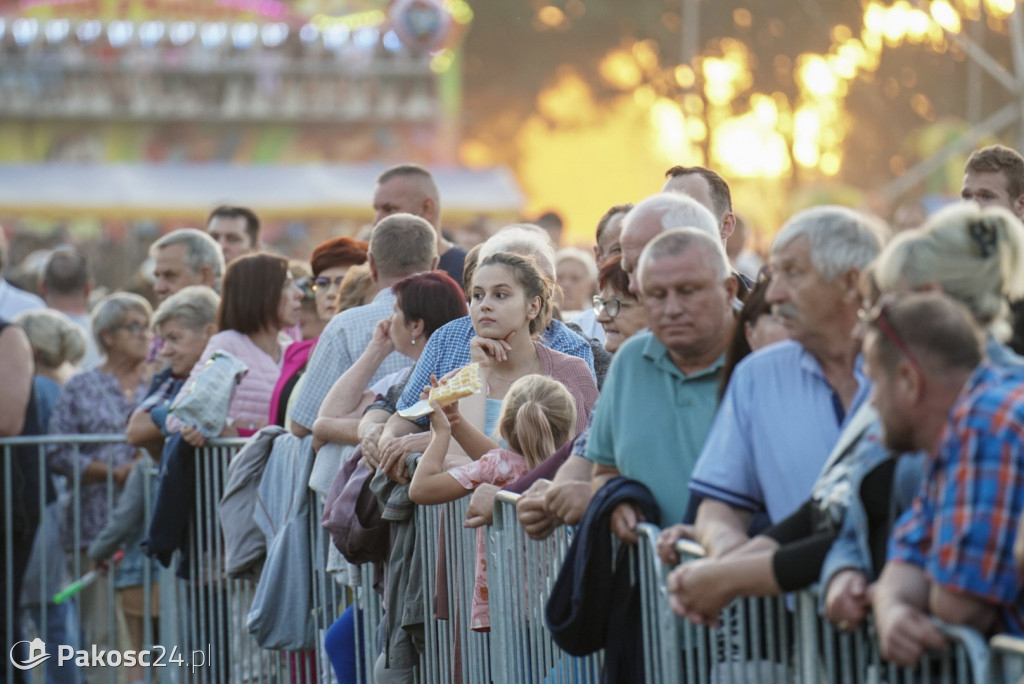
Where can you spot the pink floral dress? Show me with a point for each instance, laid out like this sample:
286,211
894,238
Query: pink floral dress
498,467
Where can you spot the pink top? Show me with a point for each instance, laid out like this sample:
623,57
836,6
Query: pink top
251,402
498,467
575,374
294,360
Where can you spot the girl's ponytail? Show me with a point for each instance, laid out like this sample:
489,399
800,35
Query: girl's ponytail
537,417
532,437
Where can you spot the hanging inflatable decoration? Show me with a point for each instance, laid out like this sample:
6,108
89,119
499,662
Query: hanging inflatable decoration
422,25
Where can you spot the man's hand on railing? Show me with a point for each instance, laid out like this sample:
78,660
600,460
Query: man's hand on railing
533,513
568,501
696,592
393,455
369,438
906,633
667,542
625,518
480,510
846,599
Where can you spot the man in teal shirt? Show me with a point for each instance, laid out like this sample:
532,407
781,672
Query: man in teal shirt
660,395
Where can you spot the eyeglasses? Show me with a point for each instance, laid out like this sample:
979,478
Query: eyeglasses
325,283
611,306
879,317
134,327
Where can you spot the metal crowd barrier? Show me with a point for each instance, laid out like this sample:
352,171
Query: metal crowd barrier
755,639
854,657
201,620
520,574
368,603
775,640
1007,661
454,652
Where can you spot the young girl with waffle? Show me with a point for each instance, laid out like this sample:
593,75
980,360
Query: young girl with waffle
537,416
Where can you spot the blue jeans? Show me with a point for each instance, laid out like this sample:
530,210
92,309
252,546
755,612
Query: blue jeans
61,628
340,646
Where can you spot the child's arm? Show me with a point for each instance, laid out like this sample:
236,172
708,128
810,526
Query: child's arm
431,484
472,441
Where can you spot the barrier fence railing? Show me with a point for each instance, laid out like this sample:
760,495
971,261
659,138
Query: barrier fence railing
799,645
1007,662
195,627
520,574
203,620
454,651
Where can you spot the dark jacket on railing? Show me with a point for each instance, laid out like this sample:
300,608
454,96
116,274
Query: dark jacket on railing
175,504
593,604
404,622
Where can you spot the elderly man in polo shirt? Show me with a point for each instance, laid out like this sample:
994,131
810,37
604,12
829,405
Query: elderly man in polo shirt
547,504
661,392
787,404
401,245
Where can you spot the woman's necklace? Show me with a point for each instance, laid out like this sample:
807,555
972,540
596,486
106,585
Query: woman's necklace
534,368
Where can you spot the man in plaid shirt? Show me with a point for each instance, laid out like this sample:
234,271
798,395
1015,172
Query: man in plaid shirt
951,554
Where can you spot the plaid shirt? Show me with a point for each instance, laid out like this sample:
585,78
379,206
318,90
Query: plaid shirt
963,522
342,342
448,349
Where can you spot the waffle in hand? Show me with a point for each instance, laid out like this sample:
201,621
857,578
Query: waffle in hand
462,384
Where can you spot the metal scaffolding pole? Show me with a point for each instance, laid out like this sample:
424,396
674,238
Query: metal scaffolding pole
1017,44
691,30
992,124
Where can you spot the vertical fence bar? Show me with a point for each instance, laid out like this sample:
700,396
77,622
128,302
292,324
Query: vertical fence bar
661,637
8,588
520,575
1007,664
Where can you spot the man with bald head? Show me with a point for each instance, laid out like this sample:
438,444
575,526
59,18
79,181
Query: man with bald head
410,189
655,215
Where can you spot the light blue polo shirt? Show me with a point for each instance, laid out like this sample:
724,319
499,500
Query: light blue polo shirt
652,419
777,424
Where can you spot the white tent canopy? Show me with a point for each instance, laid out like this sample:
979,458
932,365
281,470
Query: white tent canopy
271,190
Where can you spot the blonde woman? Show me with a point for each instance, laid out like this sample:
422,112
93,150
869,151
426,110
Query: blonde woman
974,255
58,346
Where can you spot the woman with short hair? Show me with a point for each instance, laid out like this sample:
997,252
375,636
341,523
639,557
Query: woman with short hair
185,321
332,263
98,401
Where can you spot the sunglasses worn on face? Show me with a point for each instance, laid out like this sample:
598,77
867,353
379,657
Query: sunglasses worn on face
611,306
879,317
